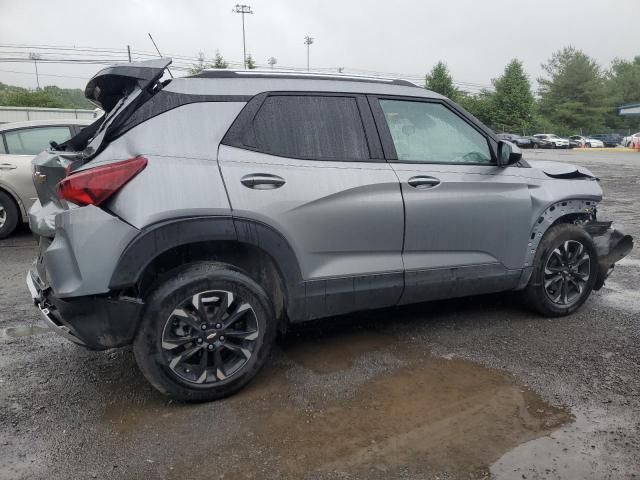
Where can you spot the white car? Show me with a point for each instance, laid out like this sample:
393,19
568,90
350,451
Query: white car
557,141
627,141
19,143
587,141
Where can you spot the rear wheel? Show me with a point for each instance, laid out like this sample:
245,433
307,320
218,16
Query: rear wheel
565,271
9,215
205,334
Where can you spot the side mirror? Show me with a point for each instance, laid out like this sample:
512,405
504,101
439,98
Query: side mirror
508,154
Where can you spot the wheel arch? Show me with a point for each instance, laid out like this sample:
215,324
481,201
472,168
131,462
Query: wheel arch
255,248
564,211
16,199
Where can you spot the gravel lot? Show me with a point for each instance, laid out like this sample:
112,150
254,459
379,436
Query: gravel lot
471,388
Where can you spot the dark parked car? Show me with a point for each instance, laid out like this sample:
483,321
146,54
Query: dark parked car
522,142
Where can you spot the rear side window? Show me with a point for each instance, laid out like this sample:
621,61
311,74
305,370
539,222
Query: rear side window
2,149
310,127
31,141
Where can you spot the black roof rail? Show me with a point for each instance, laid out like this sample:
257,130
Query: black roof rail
221,73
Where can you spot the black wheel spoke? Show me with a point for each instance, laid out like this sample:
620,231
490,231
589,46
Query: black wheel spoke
238,350
171,343
242,334
237,315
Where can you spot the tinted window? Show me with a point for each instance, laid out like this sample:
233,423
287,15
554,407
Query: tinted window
310,127
2,149
31,141
430,132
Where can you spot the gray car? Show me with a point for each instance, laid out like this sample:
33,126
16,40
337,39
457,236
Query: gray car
19,143
203,214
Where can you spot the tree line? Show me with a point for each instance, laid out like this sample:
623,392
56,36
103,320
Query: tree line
575,96
47,97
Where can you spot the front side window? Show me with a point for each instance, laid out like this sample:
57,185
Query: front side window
310,127
431,133
31,141
2,149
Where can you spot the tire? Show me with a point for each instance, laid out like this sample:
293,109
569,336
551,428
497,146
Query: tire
9,215
545,292
208,366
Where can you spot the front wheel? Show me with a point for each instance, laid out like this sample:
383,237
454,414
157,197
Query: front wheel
205,334
565,271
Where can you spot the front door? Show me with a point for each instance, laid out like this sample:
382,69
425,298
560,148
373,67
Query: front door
467,219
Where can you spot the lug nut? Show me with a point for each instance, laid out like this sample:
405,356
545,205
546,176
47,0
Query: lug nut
210,347
203,326
199,340
222,338
218,325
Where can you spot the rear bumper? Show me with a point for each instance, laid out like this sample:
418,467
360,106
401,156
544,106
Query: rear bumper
95,322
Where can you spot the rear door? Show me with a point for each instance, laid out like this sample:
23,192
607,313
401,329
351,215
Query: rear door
18,149
467,220
311,167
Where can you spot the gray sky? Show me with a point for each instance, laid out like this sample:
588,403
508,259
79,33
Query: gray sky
475,38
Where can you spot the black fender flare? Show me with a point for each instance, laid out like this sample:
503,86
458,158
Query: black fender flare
161,237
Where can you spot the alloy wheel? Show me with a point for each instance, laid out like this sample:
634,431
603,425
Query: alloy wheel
3,216
210,336
567,272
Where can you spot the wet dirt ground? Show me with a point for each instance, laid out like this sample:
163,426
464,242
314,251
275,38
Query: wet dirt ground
469,388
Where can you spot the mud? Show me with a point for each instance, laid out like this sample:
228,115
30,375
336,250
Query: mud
428,415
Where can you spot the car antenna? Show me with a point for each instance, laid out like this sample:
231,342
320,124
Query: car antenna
159,54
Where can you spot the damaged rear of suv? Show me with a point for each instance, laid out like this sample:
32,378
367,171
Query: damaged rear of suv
203,214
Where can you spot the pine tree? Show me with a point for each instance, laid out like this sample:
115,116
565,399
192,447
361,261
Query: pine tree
512,100
251,64
440,81
219,61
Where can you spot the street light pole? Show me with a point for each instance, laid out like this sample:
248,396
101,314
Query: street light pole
35,57
242,9
308,41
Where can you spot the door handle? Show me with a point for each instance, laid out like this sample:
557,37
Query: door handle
7,166
262,181
422,182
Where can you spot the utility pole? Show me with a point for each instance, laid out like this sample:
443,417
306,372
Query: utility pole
129,52
272,61
308,41
243,9
35,57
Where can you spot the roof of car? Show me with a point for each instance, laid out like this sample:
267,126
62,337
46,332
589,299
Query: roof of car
252,82
44,123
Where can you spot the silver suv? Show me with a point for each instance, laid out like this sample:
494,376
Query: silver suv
203,214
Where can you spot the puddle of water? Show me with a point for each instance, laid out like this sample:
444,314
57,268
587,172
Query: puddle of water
24,331
429,415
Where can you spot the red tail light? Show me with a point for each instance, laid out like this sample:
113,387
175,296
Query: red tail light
94,186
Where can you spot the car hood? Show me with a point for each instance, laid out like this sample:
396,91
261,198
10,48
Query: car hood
562,170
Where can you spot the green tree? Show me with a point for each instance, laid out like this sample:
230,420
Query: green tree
572,95
251,64
479,105
31,98
440,81
219,61
512,99
623,86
